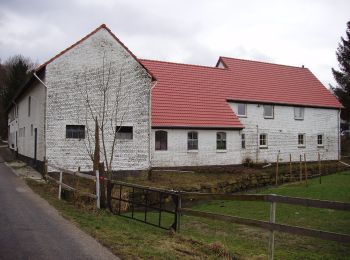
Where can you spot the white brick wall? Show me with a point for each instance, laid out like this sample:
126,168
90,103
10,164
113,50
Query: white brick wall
178,155
66,104
283,133
25,142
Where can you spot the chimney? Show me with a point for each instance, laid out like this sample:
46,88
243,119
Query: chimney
302,66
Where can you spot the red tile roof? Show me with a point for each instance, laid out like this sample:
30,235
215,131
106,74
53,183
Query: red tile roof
196,96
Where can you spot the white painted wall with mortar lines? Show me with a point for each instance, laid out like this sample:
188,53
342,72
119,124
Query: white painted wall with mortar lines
207,154
66,104
37,118
283,132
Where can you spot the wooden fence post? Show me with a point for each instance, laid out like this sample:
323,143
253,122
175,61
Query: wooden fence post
319,167
60,186
290,167
301,170
272,233
98,189
45,168
101,169
278,159
178,213
305,169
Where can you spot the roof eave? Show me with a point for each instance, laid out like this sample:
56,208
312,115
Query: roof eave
202,127
282,103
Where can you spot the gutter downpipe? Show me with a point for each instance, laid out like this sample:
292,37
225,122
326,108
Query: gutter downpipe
45,109
150,123
257,143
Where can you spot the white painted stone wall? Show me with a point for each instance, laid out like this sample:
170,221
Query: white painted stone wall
25,140
12,127
207,154
66,103
283,132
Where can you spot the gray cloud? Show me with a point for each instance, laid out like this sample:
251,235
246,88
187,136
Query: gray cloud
288,32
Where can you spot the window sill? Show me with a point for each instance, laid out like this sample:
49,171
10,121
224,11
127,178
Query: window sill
221,151
192,151
160,150
301,146
299,119
320,146
242,116
267,117
263,147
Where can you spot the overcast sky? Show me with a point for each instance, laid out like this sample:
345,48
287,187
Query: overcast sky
285,32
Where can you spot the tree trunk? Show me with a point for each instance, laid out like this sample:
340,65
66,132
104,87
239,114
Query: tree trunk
101,169
97,148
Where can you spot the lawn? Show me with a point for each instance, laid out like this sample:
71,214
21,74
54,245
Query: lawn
129,239
252,242
206,239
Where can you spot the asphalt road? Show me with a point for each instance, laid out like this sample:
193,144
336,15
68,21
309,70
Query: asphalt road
31,229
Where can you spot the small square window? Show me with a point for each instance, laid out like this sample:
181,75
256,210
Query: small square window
268,111
301,140
124,132
320,140
298,113
242,109
263,140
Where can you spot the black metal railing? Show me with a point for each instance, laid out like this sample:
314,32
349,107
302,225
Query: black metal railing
153,206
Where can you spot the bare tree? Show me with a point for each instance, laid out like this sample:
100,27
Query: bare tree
106,103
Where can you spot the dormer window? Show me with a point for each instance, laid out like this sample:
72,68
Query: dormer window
298,113
268,111
242,110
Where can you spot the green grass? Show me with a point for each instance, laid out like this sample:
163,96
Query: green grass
129,239
252,242
206,239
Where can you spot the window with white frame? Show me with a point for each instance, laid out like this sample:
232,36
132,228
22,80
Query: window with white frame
192,140
320,140
301,140
242,109
263,140
298,113
268,111
221,141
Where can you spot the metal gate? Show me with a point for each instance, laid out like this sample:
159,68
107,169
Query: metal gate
156,207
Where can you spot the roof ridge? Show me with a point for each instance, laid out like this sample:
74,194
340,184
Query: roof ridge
102,26
265,62
186,64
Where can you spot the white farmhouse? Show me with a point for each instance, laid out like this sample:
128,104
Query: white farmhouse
179,114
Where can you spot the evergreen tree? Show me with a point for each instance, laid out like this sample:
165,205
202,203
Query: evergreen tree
342,77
